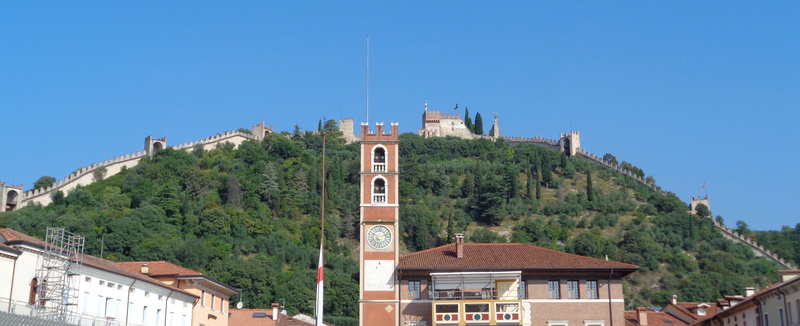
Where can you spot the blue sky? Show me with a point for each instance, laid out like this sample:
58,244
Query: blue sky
691,92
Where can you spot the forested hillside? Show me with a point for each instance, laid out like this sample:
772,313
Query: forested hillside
249,217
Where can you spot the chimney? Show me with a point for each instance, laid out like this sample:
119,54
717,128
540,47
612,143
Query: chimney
459,245
145,269
749,291
275,311
641,315
674,299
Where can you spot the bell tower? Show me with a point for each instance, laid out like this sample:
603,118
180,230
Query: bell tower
379,302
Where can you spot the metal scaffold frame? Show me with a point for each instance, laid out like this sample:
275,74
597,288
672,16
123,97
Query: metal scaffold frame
57,274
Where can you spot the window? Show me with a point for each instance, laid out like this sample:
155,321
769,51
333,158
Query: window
203,298
212,302
572,290
591,289
780,313
109,308
593,322
766,320
88,279
556,323
85,302
523,290
702,312
144,315
553,292
379,159
159,318
414,290
101,301
379,190
789,312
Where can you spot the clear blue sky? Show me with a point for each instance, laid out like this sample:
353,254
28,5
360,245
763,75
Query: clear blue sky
690,92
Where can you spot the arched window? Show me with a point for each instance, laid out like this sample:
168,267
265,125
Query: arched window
379,190
11,200
379,159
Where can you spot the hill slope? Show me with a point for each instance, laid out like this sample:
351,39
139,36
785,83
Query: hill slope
249,216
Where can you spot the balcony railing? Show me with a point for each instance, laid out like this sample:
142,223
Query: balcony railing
379,167
505,312
466,294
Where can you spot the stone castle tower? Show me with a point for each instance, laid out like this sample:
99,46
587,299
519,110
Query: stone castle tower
379,249
570,143
10,197
697,201
152,145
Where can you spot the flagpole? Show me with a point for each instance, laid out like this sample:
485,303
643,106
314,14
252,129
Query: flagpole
320,271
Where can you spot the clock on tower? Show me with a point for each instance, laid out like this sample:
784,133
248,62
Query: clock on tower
379,249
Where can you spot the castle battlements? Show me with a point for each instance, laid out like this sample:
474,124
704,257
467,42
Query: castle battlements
14,196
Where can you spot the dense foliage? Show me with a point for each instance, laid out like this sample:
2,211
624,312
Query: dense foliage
250,216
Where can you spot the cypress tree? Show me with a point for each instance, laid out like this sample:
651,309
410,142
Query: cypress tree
528,189
468,120
478,124
589,192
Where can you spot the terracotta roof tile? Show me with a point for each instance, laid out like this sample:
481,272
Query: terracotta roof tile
654,318
162,268
503,256
244,317
159,268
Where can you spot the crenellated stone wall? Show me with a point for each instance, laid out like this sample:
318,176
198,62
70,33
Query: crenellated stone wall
758,249
86,175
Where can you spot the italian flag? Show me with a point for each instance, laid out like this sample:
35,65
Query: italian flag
320,287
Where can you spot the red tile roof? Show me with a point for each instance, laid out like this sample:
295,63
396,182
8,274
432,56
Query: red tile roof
691,308
244,317
159,268
162,268
654,318
10,236
504,256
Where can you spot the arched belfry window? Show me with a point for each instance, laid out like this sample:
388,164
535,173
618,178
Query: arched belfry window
379,190
379,159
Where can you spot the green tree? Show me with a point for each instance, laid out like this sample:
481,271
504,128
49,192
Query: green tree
589,190
44,182
611,158
484,235
742,228
702,210
468,120
478,124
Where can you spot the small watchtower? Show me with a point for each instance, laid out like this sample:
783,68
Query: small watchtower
261,131
152,145
10,197
697,201
570,143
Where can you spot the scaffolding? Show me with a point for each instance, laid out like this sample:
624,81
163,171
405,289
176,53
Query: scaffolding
57,275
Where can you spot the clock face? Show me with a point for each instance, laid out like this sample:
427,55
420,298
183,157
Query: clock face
379,237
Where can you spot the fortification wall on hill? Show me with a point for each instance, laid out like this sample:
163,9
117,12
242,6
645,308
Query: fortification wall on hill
86,175
583,153
758,249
